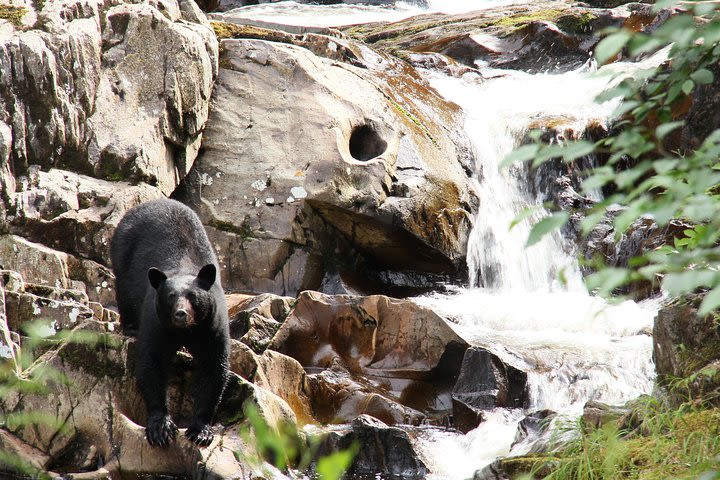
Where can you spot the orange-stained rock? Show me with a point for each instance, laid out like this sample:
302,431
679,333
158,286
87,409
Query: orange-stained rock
386,357
286,378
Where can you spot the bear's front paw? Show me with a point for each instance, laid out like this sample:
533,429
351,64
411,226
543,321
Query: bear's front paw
161,430
200,435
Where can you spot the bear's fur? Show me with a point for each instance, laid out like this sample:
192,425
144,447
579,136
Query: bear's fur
169,295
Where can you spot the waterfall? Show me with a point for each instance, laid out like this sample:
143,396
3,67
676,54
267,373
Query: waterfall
499,114
574,346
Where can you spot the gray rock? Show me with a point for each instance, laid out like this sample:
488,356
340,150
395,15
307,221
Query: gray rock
486,382
328,157
74,213
383,451
110,88
685,343
36,263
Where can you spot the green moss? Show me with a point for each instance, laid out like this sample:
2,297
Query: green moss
93,357
12,14
224,30
414,120
244,230
577,23
512,22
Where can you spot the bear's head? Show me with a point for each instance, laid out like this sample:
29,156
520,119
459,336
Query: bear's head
184,301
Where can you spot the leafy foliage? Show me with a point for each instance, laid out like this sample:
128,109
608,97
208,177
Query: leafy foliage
285,448
649,168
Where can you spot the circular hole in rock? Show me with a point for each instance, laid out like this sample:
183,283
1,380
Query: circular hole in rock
366,143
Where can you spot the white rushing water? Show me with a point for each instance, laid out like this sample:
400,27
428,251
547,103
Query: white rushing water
298,14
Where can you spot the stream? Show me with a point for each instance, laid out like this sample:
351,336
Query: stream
574,346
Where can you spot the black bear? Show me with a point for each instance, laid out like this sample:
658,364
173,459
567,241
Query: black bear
169,295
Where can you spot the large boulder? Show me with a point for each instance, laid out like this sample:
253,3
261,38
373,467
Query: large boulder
484,383
321,156
43,266
382,451
116,89
73,213
685,345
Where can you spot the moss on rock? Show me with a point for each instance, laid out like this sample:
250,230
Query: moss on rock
12,14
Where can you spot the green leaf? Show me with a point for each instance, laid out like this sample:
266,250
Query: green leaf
687,86
665,165
609,46
577,150
545,226
522,154
687,281
702,76
333,466
662,130
710,302
524,214
607,280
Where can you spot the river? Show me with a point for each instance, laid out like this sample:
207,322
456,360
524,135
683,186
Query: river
574,346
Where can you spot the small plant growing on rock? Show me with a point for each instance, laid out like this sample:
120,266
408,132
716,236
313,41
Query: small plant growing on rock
285,448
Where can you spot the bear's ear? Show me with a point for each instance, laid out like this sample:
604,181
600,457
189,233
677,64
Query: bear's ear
156,277
206,276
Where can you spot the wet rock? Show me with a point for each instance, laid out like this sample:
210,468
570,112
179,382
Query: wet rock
82,93
532,428
376,333
486,382
529,37
388,357
382,450
336,397
286,378
254,320
243,360
364,173
686,344
597,414
515,467
466,417
643,236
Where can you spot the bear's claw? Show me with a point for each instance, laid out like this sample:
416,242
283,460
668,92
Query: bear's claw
201,436
160,431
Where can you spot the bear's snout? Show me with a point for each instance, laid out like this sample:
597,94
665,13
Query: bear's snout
183,315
